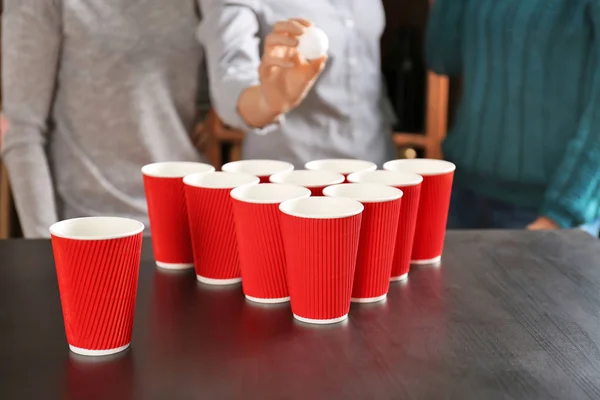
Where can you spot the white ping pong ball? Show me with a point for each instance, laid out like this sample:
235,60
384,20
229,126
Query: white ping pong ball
313,43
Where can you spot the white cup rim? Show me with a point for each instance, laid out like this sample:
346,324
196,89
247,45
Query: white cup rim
220,180
322,207
364,192
269,193
96,228
308,178
421,166
258,167
175,169
386,177
341,165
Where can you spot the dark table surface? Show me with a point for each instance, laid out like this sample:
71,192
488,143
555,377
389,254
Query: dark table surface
509,315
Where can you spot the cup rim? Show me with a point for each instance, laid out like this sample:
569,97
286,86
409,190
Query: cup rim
175,169
252,193
421,166
364,192
107,229
386,177
220,180
338,207
340,165
262,167
295,177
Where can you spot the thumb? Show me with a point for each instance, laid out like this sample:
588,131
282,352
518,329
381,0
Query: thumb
318,64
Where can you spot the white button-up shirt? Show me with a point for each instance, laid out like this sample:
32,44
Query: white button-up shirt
345,115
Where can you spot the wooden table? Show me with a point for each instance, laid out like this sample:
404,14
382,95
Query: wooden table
509,315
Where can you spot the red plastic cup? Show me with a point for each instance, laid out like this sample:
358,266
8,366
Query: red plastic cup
97,264
434,204
262,257
320,237
316,181
165,195
344,166
378,235
410,184
261,168
212,225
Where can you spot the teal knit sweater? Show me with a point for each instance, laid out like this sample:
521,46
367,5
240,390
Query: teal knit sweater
527,131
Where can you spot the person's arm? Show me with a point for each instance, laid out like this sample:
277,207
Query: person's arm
249,91
573,196
31,37
444,37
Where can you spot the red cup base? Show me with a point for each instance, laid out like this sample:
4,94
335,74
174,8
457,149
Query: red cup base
369,299
218,282
399,278
174,267
98,353
321,321
431,261
267,301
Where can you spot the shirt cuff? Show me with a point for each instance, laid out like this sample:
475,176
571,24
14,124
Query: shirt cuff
559,214
232,85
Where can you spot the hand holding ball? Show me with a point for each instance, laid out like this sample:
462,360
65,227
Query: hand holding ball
313,43
294,56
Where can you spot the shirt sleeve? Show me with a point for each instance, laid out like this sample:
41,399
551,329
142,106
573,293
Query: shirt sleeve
229,32
30,48
443,39
573,196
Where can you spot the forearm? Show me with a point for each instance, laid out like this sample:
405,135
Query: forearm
574,203
32,189
229,32
31,41
573,195
254,109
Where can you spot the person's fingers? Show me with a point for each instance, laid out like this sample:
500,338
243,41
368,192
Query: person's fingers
314,67
318,64
289,27
271,59
3,129
277,58
302,21
298,59
280,39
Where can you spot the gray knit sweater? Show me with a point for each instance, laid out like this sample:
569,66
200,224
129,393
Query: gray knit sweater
93,90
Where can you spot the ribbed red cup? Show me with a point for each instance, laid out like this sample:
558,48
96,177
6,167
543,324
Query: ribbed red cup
316,181
344,166
97,264
320,237
261,168
261,252
410,184
165,196
378,234
212,225
434,204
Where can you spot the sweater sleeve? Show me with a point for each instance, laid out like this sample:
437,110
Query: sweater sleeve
31,42
444,40
573,196
230,34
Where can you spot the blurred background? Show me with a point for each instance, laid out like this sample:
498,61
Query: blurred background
424,102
